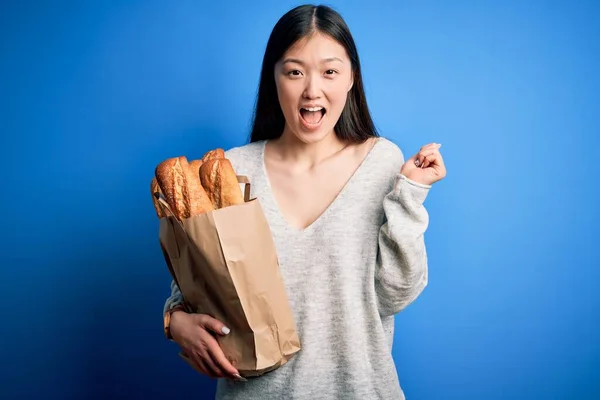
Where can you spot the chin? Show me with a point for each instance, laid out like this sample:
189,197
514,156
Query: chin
312,136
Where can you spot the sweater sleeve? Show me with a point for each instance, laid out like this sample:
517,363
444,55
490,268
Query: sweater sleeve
175,299
401,273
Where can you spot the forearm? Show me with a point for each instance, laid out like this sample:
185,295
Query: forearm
402,263
173,303
174,300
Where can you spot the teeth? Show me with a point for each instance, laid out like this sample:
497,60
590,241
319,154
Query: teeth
312,108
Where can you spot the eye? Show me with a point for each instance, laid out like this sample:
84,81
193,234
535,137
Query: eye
294,72
331,72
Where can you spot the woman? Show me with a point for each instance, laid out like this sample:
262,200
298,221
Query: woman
347,216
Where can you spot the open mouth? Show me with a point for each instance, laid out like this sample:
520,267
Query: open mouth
312,115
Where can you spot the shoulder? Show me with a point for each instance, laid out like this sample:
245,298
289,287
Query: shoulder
388,154
246,150
389,147
245,158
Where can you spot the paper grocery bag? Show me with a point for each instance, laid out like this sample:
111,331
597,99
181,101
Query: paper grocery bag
225,264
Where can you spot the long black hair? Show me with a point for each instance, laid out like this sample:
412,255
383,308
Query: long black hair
355,123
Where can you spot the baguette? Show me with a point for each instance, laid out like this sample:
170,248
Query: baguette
154,188
220,183
195,166
213,155
181,188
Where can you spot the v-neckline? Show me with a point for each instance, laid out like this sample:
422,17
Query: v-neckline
272,199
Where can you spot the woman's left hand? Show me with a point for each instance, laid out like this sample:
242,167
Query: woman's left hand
427,166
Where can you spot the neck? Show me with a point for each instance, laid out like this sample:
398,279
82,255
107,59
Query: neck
290,148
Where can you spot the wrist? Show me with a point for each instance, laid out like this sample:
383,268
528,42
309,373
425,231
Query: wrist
407,190
176,312
415,181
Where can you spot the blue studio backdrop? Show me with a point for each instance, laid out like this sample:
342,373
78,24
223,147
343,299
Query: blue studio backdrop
95,94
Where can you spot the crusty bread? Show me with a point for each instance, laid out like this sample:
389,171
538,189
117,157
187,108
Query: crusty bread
195,166
181,188
213,155
154,188
220,183
198,186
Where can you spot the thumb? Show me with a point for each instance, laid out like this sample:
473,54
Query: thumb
212,324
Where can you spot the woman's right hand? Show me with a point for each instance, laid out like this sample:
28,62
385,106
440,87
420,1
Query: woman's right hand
194,334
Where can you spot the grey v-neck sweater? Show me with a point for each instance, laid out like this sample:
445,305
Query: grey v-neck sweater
362,261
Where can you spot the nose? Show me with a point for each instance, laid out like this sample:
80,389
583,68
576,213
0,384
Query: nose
312,89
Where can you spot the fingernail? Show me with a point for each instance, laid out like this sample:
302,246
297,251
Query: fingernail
240,378
225,330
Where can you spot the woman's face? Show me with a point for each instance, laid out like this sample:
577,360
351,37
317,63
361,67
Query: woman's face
313,79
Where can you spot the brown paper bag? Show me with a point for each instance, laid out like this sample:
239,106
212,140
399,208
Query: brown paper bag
225,263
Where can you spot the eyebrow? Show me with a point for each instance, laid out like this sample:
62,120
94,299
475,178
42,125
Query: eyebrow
297,61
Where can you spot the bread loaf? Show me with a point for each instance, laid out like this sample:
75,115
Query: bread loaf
195,166
182,188
195,187
154,188
213,155
220,183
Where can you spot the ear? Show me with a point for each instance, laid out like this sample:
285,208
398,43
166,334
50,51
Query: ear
351,82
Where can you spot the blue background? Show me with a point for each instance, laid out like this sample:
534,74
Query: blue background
95,94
